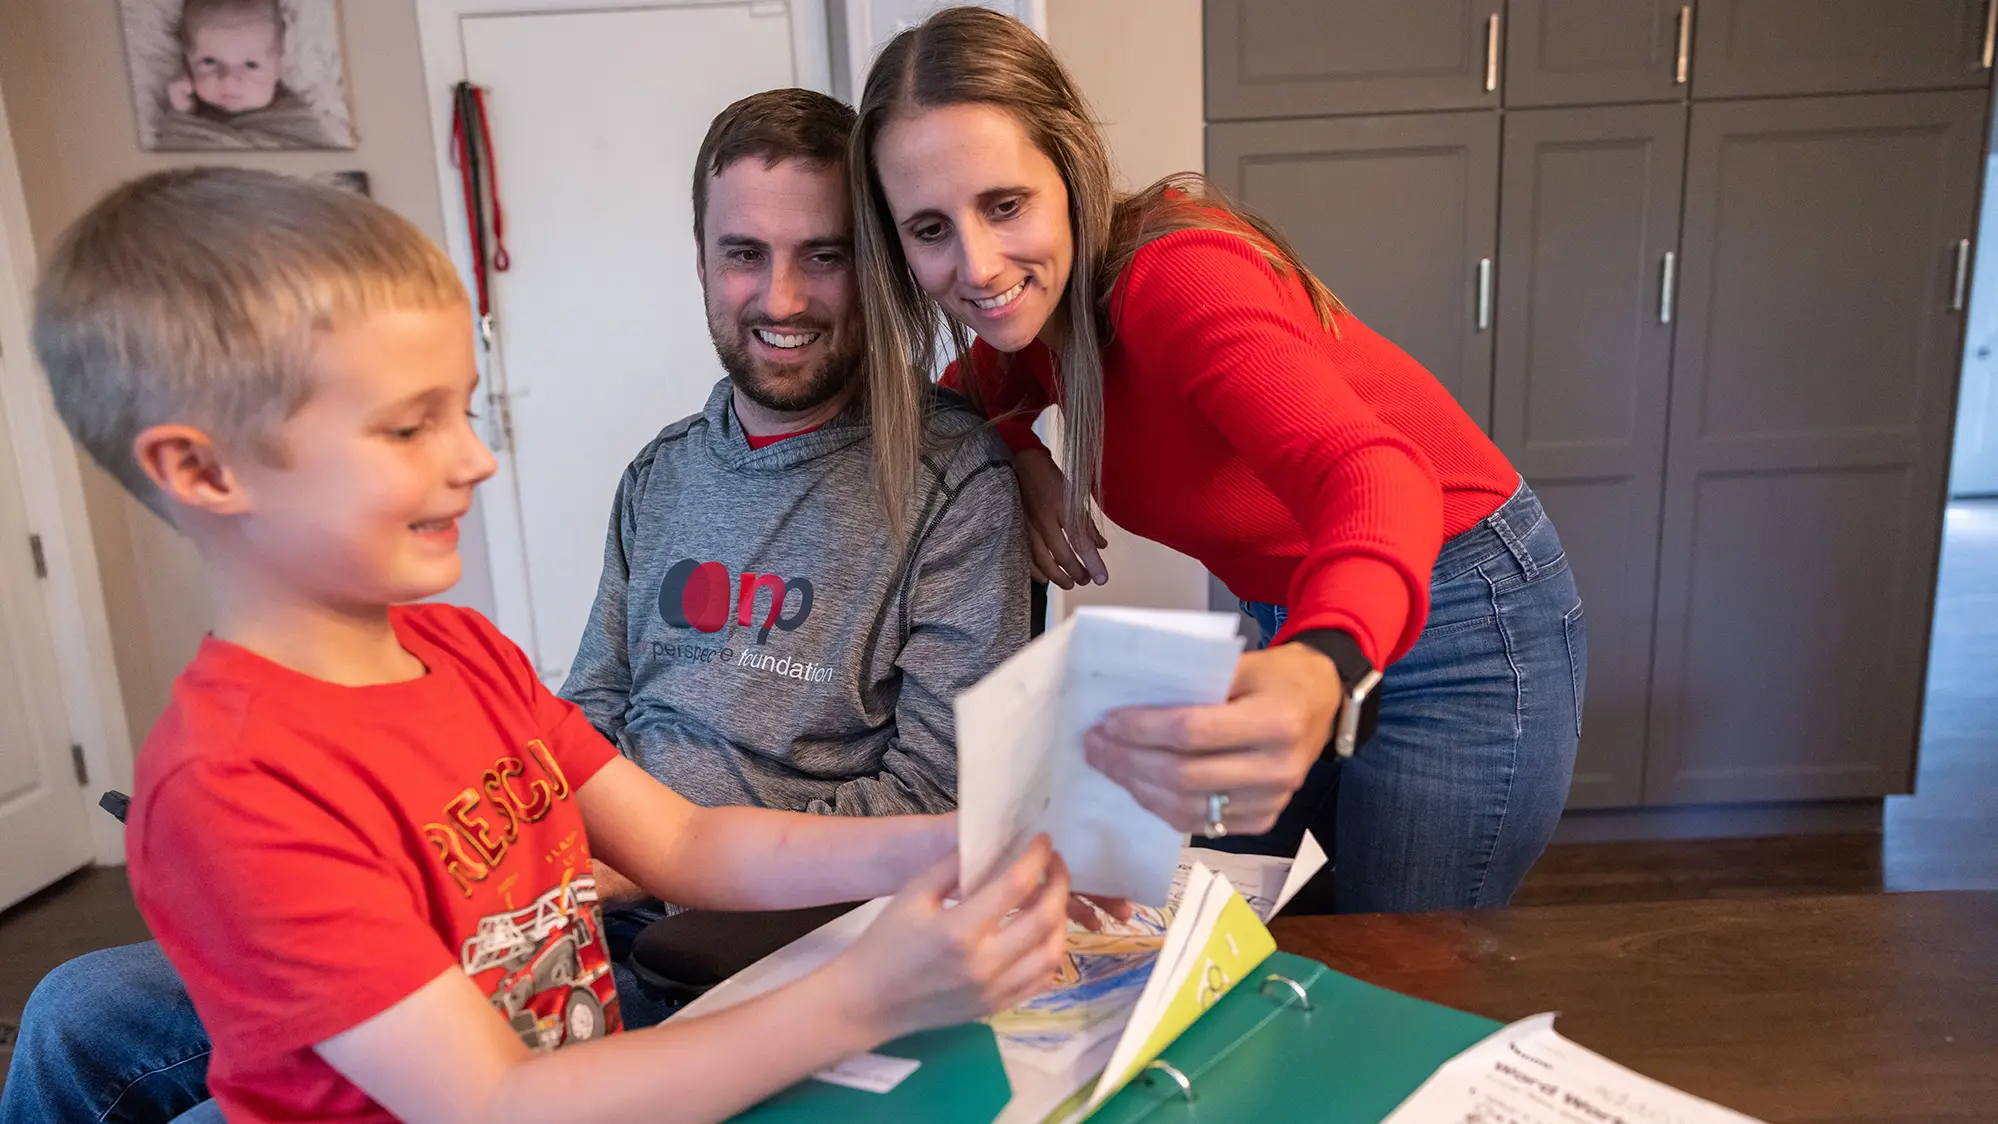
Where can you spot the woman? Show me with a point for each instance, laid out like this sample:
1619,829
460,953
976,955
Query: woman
1216,397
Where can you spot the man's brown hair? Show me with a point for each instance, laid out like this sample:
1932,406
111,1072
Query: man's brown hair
776,125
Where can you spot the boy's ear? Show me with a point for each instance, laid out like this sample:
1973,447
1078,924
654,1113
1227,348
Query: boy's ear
187,468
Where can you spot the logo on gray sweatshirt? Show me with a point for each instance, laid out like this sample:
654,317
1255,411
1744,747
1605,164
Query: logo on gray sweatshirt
698,595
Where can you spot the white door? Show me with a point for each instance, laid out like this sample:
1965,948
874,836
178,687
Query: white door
43,833
596,118
1974,463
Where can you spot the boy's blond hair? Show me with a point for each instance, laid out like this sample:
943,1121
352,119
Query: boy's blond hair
196,295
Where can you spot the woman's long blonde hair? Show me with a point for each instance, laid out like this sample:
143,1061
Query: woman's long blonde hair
974,55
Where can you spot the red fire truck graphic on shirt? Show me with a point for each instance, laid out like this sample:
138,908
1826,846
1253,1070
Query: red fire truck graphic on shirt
551,955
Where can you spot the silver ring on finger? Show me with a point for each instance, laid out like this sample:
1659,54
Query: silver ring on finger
1217,806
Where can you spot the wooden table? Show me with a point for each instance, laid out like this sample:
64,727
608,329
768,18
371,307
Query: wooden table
1881,1007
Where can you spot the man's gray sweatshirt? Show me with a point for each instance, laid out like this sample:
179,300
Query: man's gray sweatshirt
758,638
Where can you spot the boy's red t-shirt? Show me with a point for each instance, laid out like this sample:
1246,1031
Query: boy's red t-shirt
309,854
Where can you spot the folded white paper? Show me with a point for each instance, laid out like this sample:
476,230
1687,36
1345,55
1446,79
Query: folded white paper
1528,1074
1021,770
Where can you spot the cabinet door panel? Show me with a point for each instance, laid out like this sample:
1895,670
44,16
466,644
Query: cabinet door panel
1814,373
1593,52
1581,383
1306,58
1394,213
1753,48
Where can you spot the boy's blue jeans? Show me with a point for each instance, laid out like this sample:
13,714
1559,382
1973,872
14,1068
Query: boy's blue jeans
112,1038
1460,788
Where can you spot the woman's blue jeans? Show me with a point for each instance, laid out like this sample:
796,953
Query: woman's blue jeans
1457,793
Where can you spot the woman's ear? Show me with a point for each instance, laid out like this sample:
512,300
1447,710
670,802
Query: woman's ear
189,470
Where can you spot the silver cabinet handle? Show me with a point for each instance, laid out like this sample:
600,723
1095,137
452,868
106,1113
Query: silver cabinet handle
1962,283
1686,44
1484,293
1666,284
1491,52
1990,30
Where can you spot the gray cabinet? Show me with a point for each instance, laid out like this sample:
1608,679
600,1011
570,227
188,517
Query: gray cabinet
1583,373
1301,58
1395,213
1746,456
1594,52
1757,48
1814,374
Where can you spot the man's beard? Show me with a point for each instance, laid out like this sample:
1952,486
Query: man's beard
799,388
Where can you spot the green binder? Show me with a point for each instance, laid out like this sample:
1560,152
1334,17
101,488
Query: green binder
961,1080
1259,1054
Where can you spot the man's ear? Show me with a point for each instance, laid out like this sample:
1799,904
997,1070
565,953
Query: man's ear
701,266
188,469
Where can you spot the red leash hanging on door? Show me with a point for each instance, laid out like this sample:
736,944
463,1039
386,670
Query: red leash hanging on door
472,152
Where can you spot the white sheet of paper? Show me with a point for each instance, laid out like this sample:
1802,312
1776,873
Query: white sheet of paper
1206,894
1266,882
1528,1074
1310,860
1006,737
1020,761
792,962
870,1073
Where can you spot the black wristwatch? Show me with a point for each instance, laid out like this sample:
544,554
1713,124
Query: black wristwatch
1360,708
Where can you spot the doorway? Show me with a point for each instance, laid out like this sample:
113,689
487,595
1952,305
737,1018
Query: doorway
596,115
1945,836
43,832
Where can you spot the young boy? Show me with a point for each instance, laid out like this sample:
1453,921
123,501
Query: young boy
363,830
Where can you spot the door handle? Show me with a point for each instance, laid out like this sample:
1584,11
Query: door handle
1683,65
1492,50
1666,284
1484,293
1959,288
1990,30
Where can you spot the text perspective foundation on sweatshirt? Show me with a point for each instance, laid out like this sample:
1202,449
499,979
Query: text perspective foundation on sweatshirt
758,638
1317,471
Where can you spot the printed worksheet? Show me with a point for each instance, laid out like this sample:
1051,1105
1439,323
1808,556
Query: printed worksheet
1528,1074
1019,740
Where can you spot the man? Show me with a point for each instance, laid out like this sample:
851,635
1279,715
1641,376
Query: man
760,634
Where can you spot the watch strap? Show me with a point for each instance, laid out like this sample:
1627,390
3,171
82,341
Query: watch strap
1353,666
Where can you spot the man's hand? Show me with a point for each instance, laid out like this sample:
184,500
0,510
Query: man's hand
1255,748
1066,557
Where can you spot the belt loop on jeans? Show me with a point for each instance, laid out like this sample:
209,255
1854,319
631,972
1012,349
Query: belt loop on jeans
1507,534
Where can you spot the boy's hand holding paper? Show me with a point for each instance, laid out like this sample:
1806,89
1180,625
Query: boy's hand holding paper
920,965
1021,769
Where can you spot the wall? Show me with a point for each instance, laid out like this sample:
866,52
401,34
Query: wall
63,74
1139,64
62,71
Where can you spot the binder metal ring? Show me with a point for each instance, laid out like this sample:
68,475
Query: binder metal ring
1303,996
1178,1078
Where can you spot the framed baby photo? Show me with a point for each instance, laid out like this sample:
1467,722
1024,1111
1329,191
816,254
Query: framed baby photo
237,74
